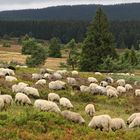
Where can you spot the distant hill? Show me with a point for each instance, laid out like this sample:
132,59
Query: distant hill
79,12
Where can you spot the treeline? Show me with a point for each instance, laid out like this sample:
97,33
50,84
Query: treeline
126,33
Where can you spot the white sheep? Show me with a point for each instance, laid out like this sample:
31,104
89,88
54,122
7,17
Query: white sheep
6,71
47,76
104,83
93,87
92,80
117,123
121,82
30,91
36,76
45,105
19,87
1,104
112,93
62,72
41,82
84,89
71,81
137,92
135,123
73,116
121,89
22,99
8,100
132,117
102,121
98,73
90,110
75,73
65,102
57,76
57,85
53,97
128,87
109,80
10,78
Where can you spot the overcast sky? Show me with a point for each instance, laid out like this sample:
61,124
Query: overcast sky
25,4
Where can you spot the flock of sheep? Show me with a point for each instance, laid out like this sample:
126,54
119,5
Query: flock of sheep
104,122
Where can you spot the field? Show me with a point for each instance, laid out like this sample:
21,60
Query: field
27,123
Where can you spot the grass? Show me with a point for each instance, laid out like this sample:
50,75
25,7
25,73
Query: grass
27,123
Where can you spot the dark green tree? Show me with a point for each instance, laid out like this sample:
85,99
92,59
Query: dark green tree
98,44
73,54
133,57
55,48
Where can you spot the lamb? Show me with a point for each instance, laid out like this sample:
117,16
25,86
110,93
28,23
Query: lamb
102,121
71,81
90,110
45,105
36,76
57,85
65,102
41,82
53,97
121,82
8,100
121,89
117,123
132,117
10,78
137,92
74,73
22,99
84,89
30,91
92,80
57,76
135,123
112,93
73,116
128,87
103,83
1,104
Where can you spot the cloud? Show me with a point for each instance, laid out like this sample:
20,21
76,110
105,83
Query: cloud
25,4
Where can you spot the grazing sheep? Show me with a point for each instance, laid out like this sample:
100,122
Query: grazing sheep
92,87
45,105
121,89
84,89
22,99
117,123
62,72
98,73
137,83
47,76
90,110
137,92
74,73
112,93
135,123
132,74
10,78
19,87
104,83
30,91
102,121
65,102
36,76
132,117
109,80
50,71
121,82
128,87
57,85
1,104
71,81
92,80
8,100
73,116
41,82
53,97
101,90
6,71
57,76
18,66
43,70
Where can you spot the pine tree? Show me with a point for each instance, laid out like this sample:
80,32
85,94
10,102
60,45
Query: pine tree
55,48
98,44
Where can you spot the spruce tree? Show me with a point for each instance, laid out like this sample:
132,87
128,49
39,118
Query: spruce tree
98,45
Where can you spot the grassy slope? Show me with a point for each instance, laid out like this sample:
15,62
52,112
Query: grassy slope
27,123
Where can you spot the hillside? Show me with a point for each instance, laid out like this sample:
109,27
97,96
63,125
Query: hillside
79,12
